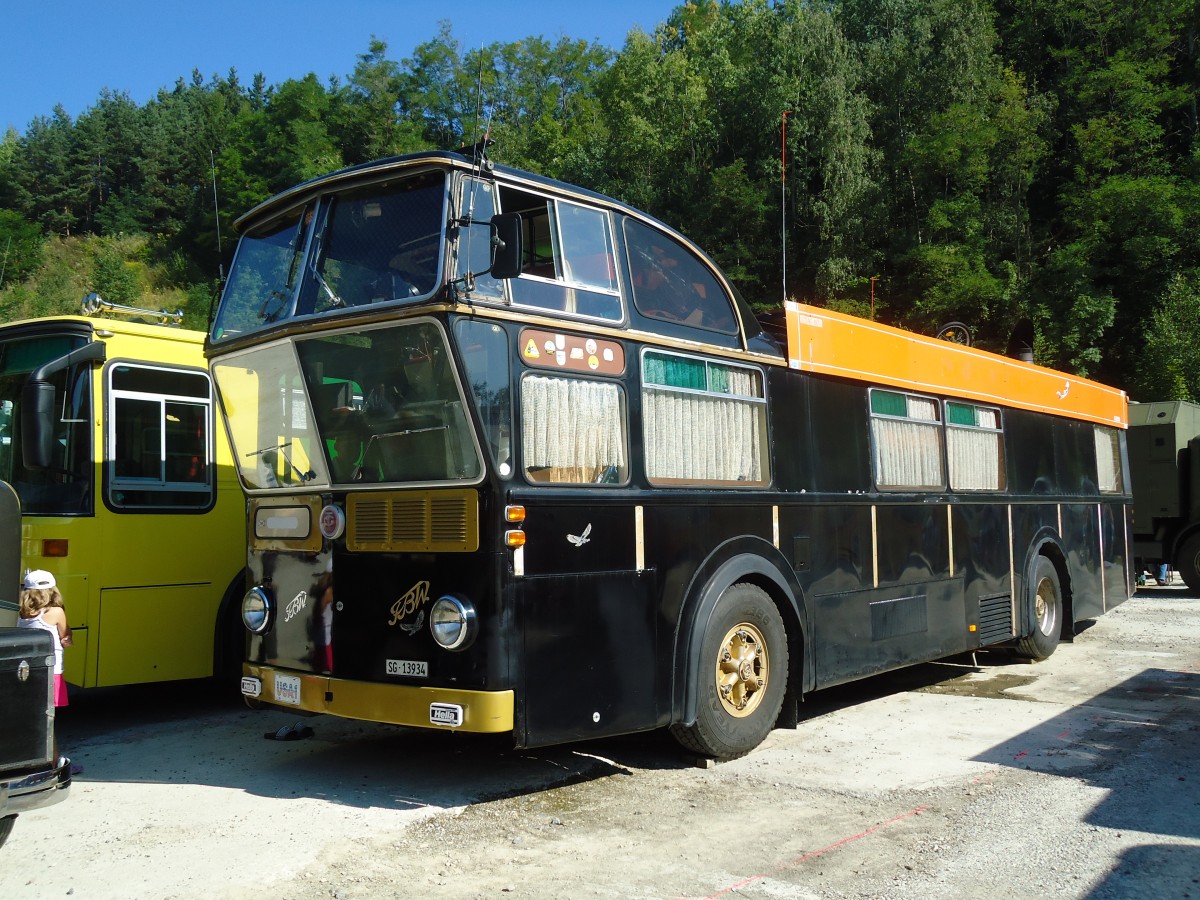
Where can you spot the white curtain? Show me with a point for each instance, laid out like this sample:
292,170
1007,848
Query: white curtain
1108,460
701,437
572,427
974,459
907,453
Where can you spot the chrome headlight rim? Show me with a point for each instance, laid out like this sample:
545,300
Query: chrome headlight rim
257,610
453,622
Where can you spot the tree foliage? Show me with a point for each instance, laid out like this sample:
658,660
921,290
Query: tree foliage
986,161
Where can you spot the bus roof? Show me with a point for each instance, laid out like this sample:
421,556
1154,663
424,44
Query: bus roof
831,343
375,169
92,323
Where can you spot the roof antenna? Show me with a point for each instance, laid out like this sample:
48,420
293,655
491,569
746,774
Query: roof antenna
783,199
477,151
220,251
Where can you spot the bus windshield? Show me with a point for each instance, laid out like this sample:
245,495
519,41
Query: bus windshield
373,406
376,244
63,488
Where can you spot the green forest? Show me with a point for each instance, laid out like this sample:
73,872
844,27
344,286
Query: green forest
922,161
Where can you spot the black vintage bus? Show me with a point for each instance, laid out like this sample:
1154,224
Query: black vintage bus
520,459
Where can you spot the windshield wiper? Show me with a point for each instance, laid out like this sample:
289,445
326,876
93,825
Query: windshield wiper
276,451
334,299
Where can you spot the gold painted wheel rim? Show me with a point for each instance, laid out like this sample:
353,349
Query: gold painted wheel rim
742,670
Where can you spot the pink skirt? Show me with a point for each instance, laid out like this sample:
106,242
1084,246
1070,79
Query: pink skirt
60,691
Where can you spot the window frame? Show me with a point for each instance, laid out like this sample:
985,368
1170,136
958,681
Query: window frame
1118,473
647,304
938,425
114,483
561,262
623,415
950,427
760,403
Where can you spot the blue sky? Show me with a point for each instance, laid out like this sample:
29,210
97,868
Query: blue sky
67,51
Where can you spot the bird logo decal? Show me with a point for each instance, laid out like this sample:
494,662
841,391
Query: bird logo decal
578,540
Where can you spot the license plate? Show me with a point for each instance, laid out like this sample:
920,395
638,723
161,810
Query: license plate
251,687
287,689
411,668
445,714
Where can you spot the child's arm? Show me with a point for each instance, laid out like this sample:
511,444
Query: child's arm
58,618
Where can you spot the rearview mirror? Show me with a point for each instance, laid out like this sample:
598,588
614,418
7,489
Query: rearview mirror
37,423
506,245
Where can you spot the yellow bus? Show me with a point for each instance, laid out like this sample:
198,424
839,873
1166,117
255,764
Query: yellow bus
128,494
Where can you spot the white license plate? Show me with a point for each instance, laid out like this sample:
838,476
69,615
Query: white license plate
287,689
251,686
445,714
412,668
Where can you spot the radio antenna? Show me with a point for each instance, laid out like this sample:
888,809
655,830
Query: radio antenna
217,215
212,160
478,98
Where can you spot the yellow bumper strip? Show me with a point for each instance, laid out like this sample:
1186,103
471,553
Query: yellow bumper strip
396,704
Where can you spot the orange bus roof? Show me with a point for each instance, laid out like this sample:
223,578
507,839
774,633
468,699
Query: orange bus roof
831,343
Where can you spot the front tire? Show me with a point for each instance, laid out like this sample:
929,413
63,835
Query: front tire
1047,612
6,826
743,675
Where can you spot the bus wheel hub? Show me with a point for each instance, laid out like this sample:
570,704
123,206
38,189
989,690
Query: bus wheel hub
741,670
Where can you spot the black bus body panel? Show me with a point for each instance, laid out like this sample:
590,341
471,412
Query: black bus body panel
587,620
589,656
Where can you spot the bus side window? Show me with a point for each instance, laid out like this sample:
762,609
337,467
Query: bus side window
703,421
159,438
573,431
906,436
570,264
671,284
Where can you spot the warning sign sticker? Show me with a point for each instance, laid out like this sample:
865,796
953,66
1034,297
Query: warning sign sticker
572,352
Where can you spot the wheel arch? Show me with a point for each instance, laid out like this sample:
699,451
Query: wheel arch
229,638
739,560
1046,543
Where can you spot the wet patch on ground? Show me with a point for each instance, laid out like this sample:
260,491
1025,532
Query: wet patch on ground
994,685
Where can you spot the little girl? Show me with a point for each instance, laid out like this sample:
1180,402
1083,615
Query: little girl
42,607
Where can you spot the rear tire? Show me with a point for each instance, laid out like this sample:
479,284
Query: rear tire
1188,565
1046,600
743,675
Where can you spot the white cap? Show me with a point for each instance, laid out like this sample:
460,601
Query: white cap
38,578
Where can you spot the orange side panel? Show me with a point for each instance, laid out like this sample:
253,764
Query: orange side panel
830,343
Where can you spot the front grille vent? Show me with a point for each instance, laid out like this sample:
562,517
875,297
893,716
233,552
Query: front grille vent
413,521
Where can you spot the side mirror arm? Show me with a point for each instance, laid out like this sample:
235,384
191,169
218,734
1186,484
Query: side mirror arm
38,401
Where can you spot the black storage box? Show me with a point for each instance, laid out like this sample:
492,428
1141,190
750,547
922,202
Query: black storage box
26,699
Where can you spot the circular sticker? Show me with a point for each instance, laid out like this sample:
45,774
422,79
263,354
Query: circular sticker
333,522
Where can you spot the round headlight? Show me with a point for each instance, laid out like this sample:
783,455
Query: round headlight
452,622
256,610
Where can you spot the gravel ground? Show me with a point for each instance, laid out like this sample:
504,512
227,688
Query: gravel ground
975,777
